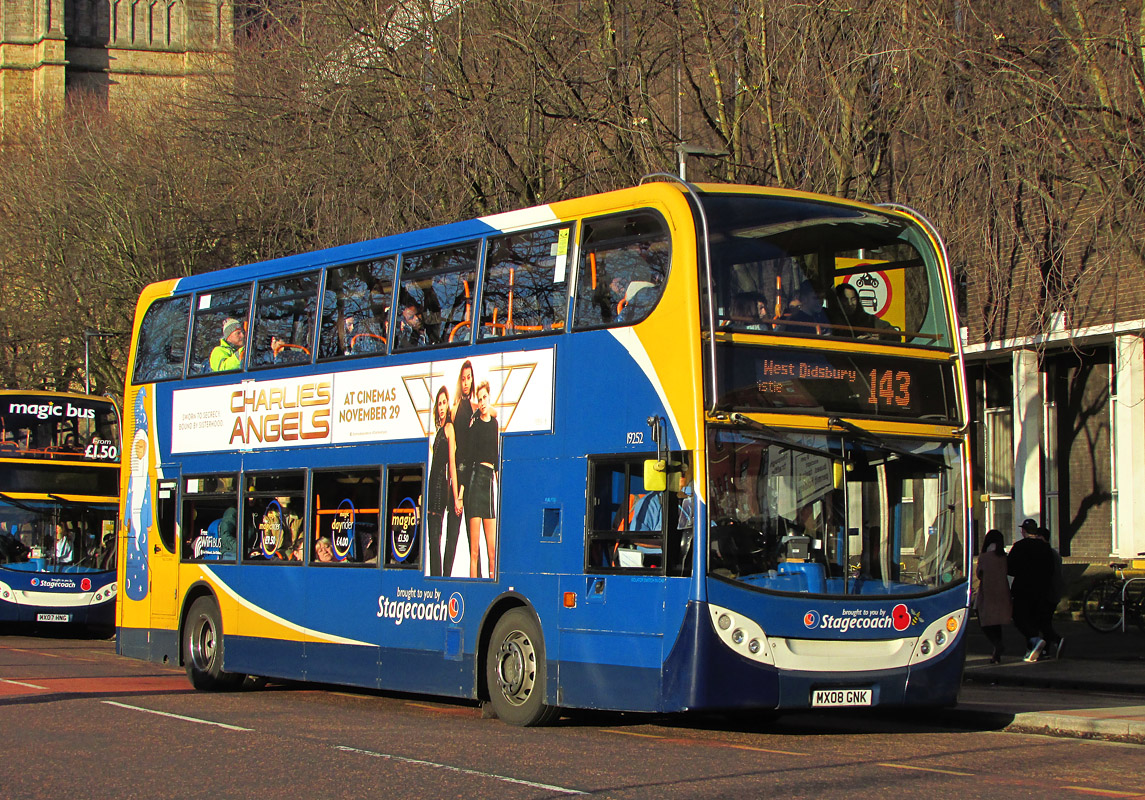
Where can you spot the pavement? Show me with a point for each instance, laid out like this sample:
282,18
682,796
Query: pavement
1095,689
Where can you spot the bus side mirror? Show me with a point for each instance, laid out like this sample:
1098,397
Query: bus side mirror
660,475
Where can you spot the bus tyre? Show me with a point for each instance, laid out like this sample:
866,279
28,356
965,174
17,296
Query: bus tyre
203,648
515,671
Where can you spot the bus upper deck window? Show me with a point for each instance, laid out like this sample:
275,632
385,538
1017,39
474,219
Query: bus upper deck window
356,308
162,340
435,303
284,321
624,261
218,341
525,285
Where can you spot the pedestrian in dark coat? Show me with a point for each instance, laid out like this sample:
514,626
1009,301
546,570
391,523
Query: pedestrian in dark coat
1031,563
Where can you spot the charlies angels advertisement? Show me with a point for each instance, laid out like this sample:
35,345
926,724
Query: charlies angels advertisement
370,405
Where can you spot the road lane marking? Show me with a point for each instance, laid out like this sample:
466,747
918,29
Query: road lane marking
1103,792
929,769
29,685
707,743
461,770
177,716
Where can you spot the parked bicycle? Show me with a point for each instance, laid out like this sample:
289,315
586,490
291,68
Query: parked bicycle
1115,601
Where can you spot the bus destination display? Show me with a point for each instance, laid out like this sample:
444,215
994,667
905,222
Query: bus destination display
759,379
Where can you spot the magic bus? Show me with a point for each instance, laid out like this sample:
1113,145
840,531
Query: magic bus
59,502
668,448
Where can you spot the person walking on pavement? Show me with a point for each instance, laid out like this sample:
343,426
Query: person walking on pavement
1031,564
993,596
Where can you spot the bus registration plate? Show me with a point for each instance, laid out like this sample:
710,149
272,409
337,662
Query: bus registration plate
841,697
53,618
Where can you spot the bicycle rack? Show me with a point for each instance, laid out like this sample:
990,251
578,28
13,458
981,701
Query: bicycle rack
1124,590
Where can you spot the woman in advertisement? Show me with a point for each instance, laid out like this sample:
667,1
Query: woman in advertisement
463,405
443,499
481,499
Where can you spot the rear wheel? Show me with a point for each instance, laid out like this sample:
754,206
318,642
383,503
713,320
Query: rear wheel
1102,606
515,672
203,648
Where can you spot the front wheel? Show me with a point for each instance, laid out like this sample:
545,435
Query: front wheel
203,648
515,672
1102,606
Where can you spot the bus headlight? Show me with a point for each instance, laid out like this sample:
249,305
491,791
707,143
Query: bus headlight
743,635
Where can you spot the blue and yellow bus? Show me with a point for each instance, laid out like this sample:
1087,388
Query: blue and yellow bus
59,501
666,448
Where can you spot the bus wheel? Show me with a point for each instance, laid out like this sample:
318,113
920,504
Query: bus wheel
203,648
515,671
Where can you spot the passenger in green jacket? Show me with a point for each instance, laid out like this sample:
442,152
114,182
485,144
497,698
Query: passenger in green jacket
228,353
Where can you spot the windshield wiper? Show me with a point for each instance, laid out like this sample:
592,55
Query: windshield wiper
883,444
777,435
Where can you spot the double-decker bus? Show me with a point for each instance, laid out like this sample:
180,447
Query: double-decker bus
59,500
666,448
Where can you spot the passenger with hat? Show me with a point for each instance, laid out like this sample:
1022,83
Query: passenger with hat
228,353
1031,563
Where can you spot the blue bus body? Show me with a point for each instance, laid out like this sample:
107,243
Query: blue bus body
810,564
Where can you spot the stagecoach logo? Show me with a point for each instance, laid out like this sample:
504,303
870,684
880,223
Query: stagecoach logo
456,607
419,605
342,530
53,583
850,619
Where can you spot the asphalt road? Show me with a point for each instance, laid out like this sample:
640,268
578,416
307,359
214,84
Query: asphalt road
78,721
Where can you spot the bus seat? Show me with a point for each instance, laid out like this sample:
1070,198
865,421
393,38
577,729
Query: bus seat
463,324
354,339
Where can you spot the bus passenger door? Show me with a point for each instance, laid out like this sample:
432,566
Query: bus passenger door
612,637
163,553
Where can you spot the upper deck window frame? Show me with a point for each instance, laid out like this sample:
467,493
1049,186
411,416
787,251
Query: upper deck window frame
622,273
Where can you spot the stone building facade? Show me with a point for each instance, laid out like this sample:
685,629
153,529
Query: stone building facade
114,51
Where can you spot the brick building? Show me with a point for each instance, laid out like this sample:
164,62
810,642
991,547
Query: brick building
114,50
1056,370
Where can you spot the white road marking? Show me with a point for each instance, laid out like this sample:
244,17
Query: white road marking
18,683
177,716
462,770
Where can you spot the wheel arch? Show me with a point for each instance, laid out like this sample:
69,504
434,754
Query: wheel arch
199,588
496,610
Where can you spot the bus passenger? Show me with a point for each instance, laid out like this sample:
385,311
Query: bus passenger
64,551
749,312
324,550
228,353
855,320
481,500
443,504
298,552
228,530
412,330
809,317
361,336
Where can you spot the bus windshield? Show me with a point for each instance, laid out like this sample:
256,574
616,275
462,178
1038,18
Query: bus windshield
48,537
836,515
806,268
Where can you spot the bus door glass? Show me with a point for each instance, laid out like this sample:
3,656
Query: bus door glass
164,556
